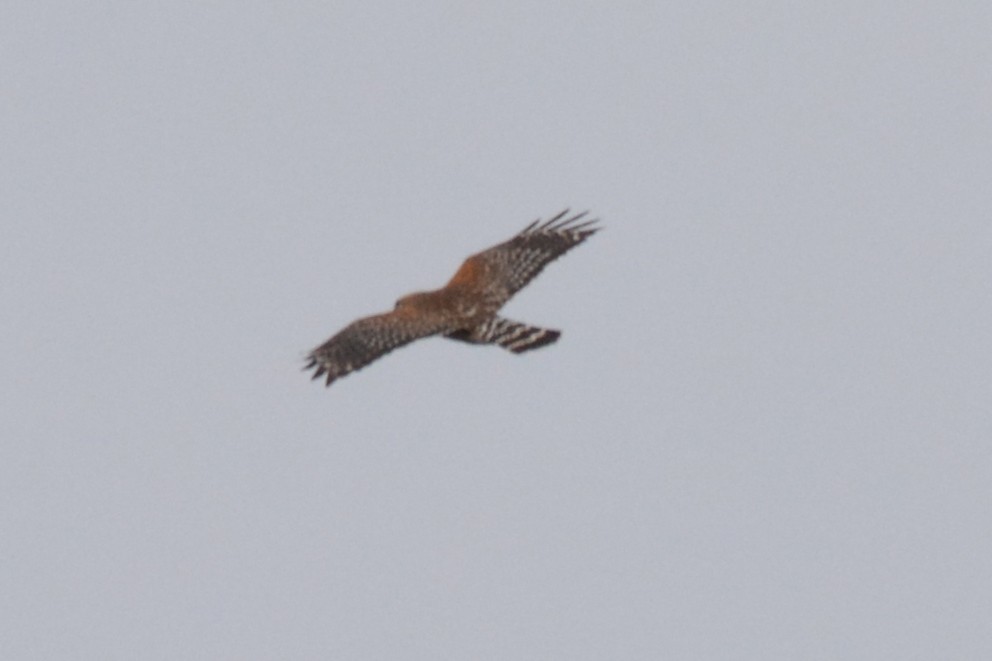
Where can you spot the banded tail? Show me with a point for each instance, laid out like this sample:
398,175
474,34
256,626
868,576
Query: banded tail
511,335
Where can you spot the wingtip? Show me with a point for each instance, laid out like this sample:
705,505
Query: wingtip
549,224
579,224
319,372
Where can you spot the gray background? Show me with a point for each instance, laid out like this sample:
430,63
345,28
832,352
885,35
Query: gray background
765,433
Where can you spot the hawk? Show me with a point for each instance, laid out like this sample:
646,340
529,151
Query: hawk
465,308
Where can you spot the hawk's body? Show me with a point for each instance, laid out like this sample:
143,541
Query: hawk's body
465,308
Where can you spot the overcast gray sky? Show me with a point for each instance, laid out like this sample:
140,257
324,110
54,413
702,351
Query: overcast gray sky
764,434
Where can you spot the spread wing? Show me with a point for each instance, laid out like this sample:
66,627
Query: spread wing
367,339
505,269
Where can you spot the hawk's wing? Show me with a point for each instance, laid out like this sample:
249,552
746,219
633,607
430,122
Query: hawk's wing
505,269
367,339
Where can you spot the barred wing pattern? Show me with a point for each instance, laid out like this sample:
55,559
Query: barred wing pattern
464,309
367,339
512,264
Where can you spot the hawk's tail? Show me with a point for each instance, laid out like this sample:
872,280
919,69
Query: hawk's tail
510,335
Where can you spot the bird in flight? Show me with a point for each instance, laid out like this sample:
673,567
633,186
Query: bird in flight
465,308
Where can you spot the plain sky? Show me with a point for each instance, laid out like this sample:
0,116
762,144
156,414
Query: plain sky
764,434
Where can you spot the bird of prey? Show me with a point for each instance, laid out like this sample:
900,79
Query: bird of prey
465,308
